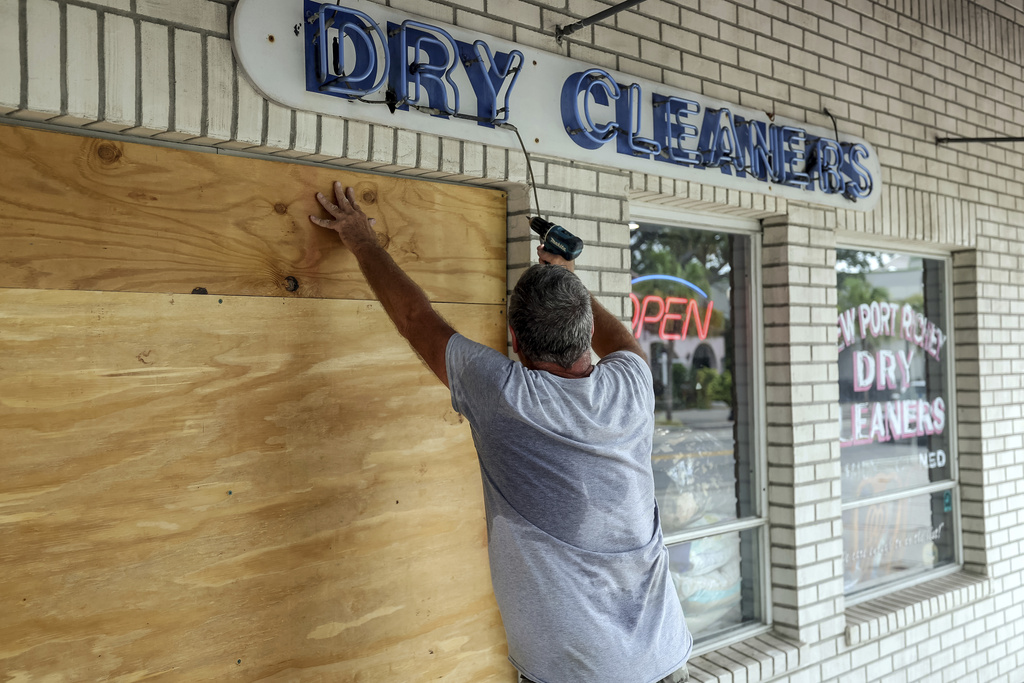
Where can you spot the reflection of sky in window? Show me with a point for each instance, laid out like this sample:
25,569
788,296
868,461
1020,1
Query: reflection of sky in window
875,260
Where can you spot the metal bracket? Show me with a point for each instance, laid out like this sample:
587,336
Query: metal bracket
562,32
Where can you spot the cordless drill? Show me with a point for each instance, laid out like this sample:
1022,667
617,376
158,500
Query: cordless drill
557,240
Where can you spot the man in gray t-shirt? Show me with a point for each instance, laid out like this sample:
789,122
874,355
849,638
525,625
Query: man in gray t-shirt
578,563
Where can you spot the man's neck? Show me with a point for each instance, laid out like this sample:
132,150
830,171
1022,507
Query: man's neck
581,368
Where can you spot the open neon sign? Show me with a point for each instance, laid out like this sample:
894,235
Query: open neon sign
656,309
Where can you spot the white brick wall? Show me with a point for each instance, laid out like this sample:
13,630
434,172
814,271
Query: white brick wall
119,72
156,78
897,72
43,42
10,37
83,73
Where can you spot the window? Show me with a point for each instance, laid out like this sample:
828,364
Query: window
693,313
897,421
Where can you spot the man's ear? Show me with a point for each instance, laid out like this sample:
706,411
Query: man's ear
515,342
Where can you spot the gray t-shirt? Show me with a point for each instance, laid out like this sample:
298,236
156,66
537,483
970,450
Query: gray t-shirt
578,563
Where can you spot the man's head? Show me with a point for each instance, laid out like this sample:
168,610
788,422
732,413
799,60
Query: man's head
550,315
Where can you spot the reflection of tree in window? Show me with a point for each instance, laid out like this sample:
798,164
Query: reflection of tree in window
702,446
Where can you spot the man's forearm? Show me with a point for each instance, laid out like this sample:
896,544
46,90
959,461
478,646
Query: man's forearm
610,334
403,300
405,303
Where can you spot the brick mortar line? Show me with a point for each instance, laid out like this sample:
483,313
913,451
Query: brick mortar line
172,89
204,84
23,50
135,15
139,109
63,51
101,66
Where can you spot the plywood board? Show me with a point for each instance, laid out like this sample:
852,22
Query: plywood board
203,488
95,214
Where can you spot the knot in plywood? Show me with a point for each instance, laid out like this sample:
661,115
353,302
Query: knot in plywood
109,152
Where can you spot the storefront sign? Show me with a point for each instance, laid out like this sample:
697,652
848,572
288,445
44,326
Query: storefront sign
363,61
672,325
861,330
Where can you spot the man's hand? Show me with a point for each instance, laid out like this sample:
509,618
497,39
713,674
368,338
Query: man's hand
402,299
348,220
554,260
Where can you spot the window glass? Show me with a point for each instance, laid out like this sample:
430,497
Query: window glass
716,578
691,300
897,539
896,416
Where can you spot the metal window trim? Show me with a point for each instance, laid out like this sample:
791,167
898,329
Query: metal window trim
760,421
668,216
856,240
718,529
904,584
945,485
735,635
954,423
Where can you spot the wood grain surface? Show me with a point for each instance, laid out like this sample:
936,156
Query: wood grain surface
204,488
255,485
95,214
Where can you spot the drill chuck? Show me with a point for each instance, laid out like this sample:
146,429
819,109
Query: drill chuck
557,240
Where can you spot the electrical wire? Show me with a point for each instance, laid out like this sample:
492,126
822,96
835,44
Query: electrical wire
529,166
469,117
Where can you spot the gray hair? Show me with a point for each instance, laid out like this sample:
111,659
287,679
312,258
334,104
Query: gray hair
550,312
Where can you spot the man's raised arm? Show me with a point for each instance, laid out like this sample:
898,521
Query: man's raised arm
403,300
610,335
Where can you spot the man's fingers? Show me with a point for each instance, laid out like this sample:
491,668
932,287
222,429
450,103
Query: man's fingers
339,195
328,204
322,222
350,195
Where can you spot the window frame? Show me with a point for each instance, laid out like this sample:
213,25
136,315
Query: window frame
653,215
862,243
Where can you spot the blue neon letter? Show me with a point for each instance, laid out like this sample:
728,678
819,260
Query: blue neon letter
672,133
789,155
488,74
424,56
628,113
326,41
592,84
859,183
828,157
718,141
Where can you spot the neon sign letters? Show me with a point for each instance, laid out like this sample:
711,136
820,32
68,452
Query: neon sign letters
364,61
765,151
889,370
349,55
656,309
